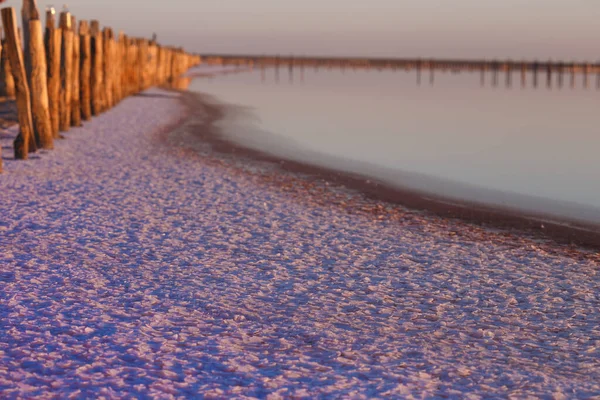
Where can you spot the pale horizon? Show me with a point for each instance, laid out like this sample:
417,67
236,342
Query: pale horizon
517,29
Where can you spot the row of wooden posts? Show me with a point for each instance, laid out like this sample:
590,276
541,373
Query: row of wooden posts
67,74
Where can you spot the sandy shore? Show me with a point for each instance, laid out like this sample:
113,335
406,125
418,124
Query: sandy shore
139,260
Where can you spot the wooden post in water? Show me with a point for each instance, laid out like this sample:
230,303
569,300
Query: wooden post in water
38,80
97,68
85,47
66,71
7,81
572,67
523,74
535,74
53,49
560,74
495,73
24,142
585,76
549,74
431,72
76,76
482,75
508,70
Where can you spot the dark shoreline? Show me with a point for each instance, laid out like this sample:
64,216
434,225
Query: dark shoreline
204,113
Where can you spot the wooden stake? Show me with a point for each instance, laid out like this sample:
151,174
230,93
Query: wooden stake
86,69
7,82
39,82
75,98
24,142
97,68
53,50
107,65
1,52
66,71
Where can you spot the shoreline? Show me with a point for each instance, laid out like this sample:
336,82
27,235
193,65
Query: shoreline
206,112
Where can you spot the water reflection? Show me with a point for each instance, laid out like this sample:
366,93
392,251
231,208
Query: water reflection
552,77
508,142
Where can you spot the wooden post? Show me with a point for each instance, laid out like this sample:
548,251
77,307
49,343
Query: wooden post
1,52
26,9
53,49
142,58
86,69
24,142
117,43
7,82
107,66
66,71
76,74
97,68
39,81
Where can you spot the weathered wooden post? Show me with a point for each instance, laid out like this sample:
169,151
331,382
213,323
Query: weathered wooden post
142,59
585,75
535,74
26,10
572,75
25,141
97,68
76,75
107,67
85,47
66,71
53,50
1,52
118,58
38,79
7,82
508,70
124,66
549,74
523,74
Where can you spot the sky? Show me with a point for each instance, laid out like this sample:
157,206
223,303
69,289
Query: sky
542,29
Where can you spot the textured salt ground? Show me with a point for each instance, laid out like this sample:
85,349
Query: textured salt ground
130,267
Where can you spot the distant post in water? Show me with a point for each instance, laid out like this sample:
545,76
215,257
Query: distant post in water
38,80
66,71
25,141
53,49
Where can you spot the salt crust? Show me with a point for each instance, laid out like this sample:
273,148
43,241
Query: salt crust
130,270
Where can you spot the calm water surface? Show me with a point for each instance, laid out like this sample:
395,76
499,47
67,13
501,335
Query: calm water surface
533,149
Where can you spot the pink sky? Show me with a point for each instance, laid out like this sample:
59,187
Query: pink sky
396,28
